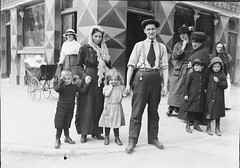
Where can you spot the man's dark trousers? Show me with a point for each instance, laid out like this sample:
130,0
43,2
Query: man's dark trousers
146,90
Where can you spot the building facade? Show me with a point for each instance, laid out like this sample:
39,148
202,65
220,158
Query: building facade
33,27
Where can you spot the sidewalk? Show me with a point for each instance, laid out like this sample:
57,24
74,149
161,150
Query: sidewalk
28,127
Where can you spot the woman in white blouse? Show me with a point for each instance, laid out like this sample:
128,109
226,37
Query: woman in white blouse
69,52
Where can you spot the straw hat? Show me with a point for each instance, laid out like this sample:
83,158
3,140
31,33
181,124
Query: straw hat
69,32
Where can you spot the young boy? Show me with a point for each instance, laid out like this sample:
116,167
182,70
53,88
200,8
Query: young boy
66,102
194,95
217,82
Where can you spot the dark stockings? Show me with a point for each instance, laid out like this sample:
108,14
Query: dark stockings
59,132
115,130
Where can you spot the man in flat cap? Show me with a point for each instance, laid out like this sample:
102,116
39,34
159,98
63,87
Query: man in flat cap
149,58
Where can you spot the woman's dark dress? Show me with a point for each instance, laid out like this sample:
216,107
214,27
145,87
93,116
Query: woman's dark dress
90,105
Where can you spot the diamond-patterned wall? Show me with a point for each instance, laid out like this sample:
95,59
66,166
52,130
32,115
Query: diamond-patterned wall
221,30
112,17
14,44
165,15
52,30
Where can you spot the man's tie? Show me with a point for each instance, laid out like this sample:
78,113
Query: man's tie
151,55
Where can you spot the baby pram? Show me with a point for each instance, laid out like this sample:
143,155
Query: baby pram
40,80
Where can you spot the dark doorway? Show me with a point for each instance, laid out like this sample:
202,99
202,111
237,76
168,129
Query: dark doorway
8,50
134,32
182,16
232,41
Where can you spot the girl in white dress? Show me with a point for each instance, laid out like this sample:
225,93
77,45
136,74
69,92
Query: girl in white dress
112,115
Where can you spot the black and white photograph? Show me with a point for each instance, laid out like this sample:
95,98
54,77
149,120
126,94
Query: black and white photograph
119,84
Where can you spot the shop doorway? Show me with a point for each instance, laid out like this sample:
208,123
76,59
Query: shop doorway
134,32
231,48
8,50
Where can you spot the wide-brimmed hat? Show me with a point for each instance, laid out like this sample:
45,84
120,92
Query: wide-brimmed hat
216,60
199,37
185,29
69,32
150,21
199,62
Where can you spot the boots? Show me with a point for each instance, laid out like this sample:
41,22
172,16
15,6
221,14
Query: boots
118,141
188,128
83,138
170,111
196,126
69,140
209,130
106,140
217,129
57,143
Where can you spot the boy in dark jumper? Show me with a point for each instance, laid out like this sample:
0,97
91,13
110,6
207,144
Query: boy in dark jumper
67,89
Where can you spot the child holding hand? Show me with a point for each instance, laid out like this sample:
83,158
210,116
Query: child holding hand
67,89
112,115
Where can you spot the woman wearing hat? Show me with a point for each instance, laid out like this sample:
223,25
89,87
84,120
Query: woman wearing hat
199,52
69,51
93,62
194,94
180,57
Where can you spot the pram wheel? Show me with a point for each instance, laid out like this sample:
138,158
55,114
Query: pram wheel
45,88
33,89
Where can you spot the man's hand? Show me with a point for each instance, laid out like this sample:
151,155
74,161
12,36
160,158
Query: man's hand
164,91
127,90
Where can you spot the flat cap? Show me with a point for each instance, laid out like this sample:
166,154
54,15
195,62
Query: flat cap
150,21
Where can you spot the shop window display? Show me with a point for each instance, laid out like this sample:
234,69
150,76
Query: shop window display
33,26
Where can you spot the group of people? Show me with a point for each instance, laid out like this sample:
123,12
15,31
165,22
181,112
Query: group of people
198,81
87,73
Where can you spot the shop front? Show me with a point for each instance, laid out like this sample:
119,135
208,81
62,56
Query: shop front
31,28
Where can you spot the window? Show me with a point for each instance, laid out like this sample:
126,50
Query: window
68,4
142,5
33,26
232,25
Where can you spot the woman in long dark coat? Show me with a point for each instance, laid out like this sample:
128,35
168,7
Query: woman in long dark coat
180,57
199,52
215,94
93,62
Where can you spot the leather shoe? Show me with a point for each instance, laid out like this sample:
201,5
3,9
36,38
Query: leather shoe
57,143
83,138
130,148
69,140
196,127
106,140
118,141
156,143
98,136
169,113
